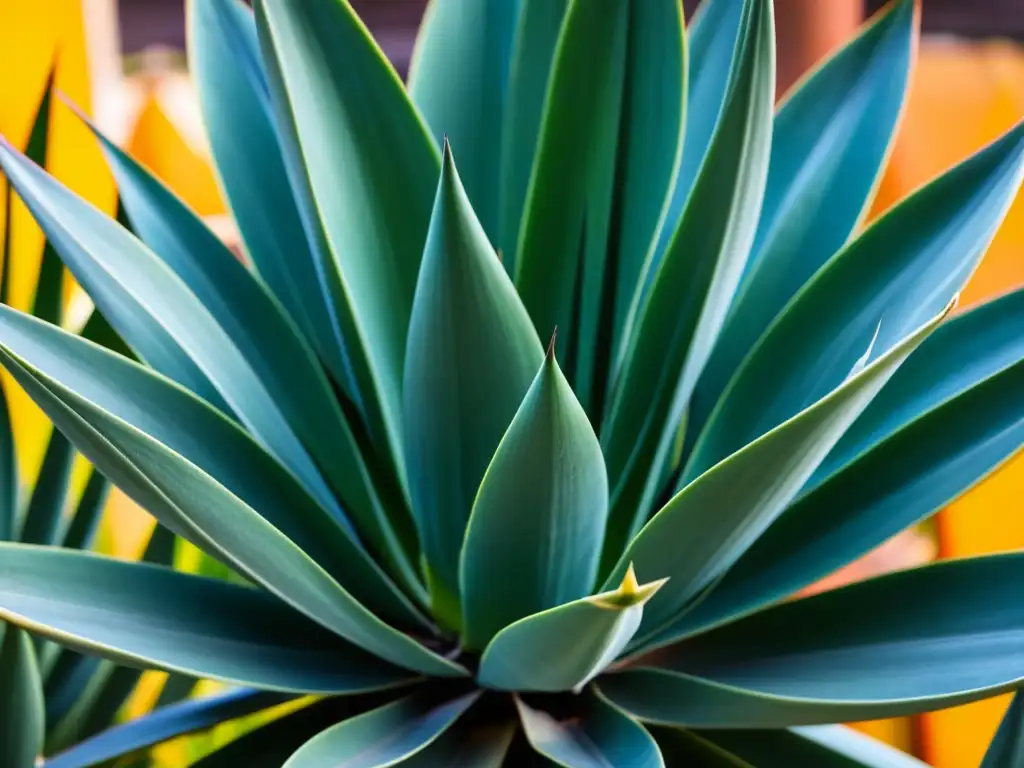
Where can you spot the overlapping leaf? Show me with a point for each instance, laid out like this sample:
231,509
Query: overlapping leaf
903,269
472,355
829,142
534,536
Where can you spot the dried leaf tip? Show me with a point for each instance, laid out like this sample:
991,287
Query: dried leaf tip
551,344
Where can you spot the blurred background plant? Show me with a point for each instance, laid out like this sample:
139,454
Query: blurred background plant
122,60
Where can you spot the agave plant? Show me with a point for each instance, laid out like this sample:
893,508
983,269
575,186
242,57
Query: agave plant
473,552
51,697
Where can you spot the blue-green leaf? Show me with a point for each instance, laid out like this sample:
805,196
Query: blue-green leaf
165,483
713,35
458,78
157,617
225,466
163,724
224,59
46,505
880,648
821,746
606,156
907,477
680,318
372,168
136,291
48,297
66,681
82,528
564,648
21,699
468,743
681,747
596,735
1007,747
965,351
829,144
271,744
472,355
383,736
268,340
903,269
534,536
9,481
533,51
734,503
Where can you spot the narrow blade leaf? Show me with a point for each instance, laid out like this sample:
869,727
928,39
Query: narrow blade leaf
597,736
1007,747
234,96
21,699
732,504
685,307
460,88
472,355
371,167
880,648
903,269
383,736
534,536
164,724
156,617
829,144
823,746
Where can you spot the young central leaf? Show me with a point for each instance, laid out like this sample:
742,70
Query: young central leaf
535,535
472,353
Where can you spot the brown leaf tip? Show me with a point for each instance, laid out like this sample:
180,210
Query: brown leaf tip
551,344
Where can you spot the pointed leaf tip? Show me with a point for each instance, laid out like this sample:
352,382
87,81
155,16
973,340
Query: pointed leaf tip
551,344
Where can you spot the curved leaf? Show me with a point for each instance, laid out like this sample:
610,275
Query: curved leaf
1007,747
468,745
712,37
533,52
45,512
266,337
157,617
688,748
596,735
224,59
163,724
21,699
192,433
458,78
824,746
371,167
564,648
966,350
829,144
607,152
910,475
165,483
85,522
685,307
732,504
136,290
880,648
534,536
904,268
472,355
271,744
384,736
9,480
